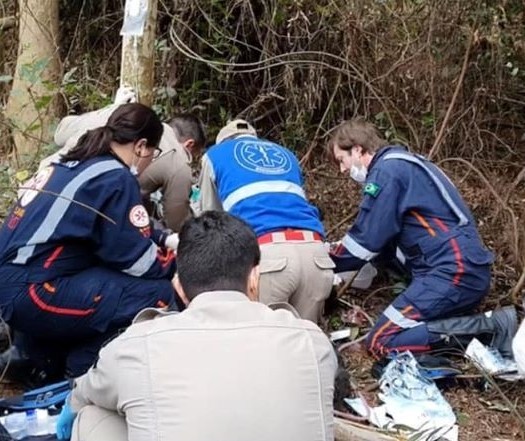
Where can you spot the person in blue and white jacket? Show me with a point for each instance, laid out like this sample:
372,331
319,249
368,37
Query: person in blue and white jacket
409,203
78,257
261,182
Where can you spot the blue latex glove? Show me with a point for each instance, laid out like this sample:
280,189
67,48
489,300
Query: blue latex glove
65,421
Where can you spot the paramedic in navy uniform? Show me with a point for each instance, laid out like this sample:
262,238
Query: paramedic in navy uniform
78,258
409,203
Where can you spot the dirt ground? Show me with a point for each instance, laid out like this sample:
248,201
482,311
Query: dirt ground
483,410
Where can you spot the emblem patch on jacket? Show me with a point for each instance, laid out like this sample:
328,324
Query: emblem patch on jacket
372,189
138,216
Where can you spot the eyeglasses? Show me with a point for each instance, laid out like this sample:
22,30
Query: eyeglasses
155,154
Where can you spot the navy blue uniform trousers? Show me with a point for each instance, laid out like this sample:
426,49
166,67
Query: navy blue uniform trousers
402,326
75,315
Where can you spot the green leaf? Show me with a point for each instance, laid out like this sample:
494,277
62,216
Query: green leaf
43,102
22,175
5,78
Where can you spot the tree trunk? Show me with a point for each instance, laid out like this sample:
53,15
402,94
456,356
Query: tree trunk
138,59
31,108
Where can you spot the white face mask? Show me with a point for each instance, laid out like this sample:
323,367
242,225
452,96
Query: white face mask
358,174
133,168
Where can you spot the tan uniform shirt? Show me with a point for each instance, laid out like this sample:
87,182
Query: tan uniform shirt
298,273
170,172
225,369
209,198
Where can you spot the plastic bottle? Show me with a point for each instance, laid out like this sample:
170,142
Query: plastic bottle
32,422
37,422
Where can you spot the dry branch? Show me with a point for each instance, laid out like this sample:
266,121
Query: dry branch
439,137
515,294
350,431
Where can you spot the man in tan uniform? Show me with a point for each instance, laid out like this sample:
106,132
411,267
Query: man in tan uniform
261,182
170,172
226,368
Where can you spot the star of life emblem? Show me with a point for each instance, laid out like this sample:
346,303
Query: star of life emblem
262,157
138,216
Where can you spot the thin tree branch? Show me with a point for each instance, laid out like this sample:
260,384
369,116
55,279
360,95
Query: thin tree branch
439,137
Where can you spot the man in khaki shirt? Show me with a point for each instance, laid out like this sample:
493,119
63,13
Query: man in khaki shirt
170,172
227,368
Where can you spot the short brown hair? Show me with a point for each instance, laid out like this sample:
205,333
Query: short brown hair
187,126
357,132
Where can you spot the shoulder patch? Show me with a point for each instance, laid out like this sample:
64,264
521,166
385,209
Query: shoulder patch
34,185
138,216
372,189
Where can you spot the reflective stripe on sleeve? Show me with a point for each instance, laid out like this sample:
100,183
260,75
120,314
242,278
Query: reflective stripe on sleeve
144,262
357,250
60,206
463,220
256,188
399,319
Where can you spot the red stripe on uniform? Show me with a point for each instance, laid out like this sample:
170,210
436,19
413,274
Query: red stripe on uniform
375,345
54,309
459,261
442,226
457,252
49,261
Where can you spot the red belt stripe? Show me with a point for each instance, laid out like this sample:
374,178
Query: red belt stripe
289,235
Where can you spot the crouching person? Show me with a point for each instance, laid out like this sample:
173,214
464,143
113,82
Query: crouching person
78,258
227,368
408,202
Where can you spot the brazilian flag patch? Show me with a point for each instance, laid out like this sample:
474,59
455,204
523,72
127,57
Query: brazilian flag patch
372,189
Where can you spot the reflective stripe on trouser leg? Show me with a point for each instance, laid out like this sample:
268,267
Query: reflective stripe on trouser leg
398,329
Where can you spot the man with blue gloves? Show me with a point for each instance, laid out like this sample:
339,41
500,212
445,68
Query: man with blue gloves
409,203
261,182
226,368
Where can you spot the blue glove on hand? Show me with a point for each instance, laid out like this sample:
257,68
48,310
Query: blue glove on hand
65,421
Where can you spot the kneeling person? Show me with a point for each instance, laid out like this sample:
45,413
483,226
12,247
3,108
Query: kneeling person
261,182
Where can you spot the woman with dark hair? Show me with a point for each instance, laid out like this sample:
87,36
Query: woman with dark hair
78,258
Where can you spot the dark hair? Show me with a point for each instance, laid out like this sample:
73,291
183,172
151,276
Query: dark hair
356,132
216,252
128,123
188,126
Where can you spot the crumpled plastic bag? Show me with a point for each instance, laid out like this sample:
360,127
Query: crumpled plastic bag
410,400
491,360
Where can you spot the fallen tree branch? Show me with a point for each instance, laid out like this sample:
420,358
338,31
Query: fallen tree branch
439,137
515,294
7,23
345,430
510,191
